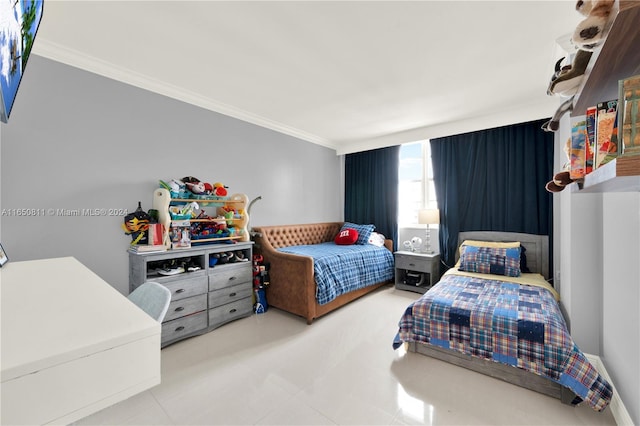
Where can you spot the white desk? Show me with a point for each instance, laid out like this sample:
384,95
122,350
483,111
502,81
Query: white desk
71,343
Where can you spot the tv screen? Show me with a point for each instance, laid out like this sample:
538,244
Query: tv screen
19,20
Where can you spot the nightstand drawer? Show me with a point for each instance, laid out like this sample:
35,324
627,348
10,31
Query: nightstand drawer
413,263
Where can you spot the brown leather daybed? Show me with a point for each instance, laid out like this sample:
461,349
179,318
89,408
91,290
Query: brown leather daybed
292,285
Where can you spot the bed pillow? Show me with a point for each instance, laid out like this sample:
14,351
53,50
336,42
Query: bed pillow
376,239
346,237
490,257
364,231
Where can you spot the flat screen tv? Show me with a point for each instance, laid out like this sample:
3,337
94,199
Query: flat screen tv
19,21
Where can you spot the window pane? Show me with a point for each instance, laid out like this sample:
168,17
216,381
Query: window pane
416,189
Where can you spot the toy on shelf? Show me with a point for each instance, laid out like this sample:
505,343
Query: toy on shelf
227,218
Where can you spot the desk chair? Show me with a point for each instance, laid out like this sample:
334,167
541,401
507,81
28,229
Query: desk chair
153,298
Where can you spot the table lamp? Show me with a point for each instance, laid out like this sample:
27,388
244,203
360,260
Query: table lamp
429,217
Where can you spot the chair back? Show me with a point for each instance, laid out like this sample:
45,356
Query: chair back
153,298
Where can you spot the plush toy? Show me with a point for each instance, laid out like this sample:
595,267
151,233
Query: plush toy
589,33
554,123
562,179
219,189
208,188
566,79
194,185
196,188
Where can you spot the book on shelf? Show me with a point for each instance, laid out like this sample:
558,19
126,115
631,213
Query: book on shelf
147,248
590,146
578,149
606,133
629,116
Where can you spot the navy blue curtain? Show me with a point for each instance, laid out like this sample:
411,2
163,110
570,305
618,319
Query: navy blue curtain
371,190
493,180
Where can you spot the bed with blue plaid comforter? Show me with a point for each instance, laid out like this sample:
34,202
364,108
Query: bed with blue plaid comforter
339,269
506,322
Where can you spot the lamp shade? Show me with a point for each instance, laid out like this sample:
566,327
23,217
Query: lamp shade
429,216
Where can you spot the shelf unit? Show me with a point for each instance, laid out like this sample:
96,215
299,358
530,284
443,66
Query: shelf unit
162,201
616,59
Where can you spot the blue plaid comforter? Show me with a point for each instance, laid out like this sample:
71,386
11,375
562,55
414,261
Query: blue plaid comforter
340,269
514,324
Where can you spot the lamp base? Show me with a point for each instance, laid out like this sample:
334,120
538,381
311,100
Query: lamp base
427,249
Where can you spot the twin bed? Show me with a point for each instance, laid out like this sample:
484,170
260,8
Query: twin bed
488,315
493,313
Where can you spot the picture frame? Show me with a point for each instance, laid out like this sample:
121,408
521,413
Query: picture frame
629,116
3,256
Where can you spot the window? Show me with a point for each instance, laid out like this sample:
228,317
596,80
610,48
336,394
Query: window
416,188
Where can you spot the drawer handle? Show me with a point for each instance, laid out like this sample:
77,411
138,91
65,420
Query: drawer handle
179,308
180,328
180,290
232,278
232,295
412,264
232,311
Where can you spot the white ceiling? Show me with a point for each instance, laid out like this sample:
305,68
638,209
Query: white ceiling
349,75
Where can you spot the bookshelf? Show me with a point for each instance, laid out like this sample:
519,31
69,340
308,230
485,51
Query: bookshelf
617,58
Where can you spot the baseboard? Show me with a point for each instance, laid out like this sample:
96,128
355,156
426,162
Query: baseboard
620,413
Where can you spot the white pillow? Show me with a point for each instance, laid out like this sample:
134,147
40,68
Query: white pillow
376,239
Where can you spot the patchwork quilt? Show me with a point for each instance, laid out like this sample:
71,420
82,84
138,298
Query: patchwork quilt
340,269
502,321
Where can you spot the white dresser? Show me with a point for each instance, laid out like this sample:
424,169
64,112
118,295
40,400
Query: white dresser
71,343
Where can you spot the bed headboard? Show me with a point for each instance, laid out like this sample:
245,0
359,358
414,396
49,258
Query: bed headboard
537,246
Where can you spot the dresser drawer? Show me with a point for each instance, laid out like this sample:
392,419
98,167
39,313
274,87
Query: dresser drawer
187,287
183,326
228,275
413,263
230,311
182,307
229,294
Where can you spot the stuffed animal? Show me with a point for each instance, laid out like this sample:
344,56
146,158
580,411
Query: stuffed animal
554,123
196,188
562,179
590,32
219,189
566,79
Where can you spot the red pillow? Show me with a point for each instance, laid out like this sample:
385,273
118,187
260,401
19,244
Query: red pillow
346,237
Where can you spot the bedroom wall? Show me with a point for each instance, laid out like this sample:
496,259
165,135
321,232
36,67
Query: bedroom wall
598,275
77,140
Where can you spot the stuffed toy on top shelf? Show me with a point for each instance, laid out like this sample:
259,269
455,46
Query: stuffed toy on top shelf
590,32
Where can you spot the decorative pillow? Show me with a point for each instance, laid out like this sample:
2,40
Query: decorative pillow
493,258
346,237
364,231
376,239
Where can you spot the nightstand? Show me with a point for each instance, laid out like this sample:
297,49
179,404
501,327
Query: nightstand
416,271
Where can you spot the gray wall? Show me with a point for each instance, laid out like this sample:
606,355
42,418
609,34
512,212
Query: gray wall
76,140
597,269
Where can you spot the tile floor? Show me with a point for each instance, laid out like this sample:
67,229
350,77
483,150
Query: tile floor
275,369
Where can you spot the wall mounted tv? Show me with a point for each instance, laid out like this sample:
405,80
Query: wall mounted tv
19,21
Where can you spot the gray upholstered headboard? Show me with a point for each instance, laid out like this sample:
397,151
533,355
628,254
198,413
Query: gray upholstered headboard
537,246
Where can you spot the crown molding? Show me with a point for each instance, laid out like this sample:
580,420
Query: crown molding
94,65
